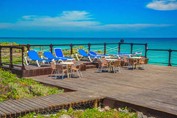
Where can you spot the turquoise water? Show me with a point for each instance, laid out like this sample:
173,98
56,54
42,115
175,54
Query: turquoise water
160,58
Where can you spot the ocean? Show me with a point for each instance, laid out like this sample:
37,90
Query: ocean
155,57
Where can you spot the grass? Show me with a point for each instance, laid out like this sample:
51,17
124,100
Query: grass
88,113
12,87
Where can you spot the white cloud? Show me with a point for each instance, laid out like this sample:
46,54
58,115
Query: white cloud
163,5
70,21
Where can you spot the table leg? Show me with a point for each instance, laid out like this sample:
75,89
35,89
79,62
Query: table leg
67,70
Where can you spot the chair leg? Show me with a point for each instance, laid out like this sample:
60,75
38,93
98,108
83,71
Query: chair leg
55,71
119,69
90,59
37,62
80,73
25,58
51,72
77,57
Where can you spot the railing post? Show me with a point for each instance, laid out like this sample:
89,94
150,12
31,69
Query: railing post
0,56
51,48
28,47
89,45
169,58
104,48
119,44
23,66
146,49
11,59
71,49
131,51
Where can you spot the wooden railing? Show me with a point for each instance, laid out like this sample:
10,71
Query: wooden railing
10,63
166,50
88,45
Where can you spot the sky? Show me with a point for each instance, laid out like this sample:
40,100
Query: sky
88,18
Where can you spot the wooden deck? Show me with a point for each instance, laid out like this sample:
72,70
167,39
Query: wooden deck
45,69
44,104
153,88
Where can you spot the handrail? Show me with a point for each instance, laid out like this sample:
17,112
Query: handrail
161,50
89,46
11,65
169,53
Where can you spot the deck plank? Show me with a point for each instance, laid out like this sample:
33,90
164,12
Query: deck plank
154,88
153,83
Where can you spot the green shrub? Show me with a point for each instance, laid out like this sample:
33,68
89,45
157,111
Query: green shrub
88,113
12,87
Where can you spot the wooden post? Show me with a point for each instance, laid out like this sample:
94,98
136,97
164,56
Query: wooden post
28,47
131,48
146,49
169,57
0,56
11,59
71,49
89,45
51,48
119,44
70,105
23,66
104,48
96,103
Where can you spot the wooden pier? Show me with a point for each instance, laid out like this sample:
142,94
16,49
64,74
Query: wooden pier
152,90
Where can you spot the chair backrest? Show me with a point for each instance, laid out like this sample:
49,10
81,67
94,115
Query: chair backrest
117,63
33,55
133,61
82,52
125,59
58,52
49,55
53,65
92,53
60,68
143,60
104,61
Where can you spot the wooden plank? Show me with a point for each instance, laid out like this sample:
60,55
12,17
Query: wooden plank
18,104
29,106
2,112
157,84
6,110
14,106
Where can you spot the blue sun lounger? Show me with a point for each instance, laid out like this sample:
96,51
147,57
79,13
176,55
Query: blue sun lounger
59,54
33,56
121,54
83,53
51,57
92,53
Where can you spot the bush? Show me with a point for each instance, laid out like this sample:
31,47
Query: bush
88,113
12,87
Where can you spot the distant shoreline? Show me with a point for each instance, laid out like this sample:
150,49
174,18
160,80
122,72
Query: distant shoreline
88,37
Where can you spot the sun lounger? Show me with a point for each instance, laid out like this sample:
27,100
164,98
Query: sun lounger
33,56
50,56
83,53
92,53
59,54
